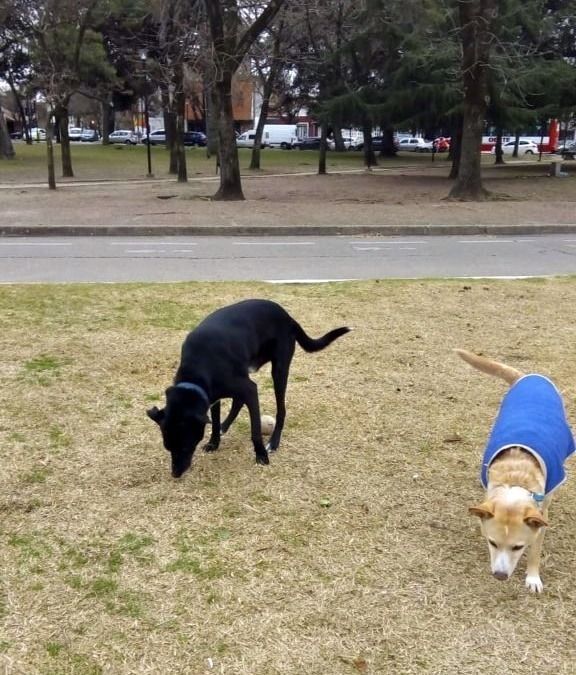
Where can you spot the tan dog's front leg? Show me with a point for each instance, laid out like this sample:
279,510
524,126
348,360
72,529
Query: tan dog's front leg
533,581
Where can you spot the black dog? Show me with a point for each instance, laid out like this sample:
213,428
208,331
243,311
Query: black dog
217,357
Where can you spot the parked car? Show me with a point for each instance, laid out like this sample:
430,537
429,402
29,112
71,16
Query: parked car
195,138
74,133
246,140
307,143
377,144
415,145
16,135
89,136
524,148
157,137
123,136
38,134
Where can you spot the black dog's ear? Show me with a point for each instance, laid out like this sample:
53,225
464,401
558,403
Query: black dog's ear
155,414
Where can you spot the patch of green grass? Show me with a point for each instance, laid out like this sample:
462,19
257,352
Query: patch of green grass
58,437
116,600
103,587
65,662
36,476
130,545
202,570
152,398
73,556
43,369
54,648
126,603
42,363
30,546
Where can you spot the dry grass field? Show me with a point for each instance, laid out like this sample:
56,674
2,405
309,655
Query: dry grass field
351,553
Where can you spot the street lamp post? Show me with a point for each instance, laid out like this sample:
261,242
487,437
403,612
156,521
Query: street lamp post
146,115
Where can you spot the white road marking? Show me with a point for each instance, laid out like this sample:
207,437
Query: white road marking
144,250
33,243
498,241
386,242
156,241
383,248
274,243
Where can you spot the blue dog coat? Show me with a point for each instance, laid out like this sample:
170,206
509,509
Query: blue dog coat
532,416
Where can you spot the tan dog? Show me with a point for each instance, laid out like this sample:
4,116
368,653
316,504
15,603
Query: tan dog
523,464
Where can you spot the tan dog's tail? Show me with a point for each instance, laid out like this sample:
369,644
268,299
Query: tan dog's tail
506,373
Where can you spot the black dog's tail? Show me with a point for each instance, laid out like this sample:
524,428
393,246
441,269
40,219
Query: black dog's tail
315,345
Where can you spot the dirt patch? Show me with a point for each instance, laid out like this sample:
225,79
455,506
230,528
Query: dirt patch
381,198
352,552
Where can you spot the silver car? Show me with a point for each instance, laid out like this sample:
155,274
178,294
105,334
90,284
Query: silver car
123,136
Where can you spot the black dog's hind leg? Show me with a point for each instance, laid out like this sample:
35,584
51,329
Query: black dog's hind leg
233,414
214,440
280,370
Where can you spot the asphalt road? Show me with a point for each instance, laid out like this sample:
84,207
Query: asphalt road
115,259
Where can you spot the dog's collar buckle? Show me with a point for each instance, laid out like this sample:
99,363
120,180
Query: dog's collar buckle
194,387
538,497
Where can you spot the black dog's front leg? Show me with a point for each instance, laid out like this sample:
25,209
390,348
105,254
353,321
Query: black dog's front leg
233,414
251,400
214,440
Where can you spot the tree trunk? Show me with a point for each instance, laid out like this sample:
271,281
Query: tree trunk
338,140
6,145
170,114
516,144
62,121
230,182
21,111
50,151
106,121
211,121
323,147
498,148
180,150
456,148
369,156
476,18
269,83
389,148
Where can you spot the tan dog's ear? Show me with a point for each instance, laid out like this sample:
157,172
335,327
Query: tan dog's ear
484,510
533,518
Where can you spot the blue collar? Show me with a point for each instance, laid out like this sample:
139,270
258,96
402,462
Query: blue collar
538,497
194,387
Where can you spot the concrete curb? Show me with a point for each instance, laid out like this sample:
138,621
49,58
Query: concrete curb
286,231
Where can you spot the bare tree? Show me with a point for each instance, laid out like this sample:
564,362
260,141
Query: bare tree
268,65
234,26
175,50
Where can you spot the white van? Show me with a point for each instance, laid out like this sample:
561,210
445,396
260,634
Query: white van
274,136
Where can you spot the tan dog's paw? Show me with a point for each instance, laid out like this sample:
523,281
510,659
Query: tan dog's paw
534,584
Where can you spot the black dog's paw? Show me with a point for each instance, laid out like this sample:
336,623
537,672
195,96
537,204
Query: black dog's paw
210,447
262,459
